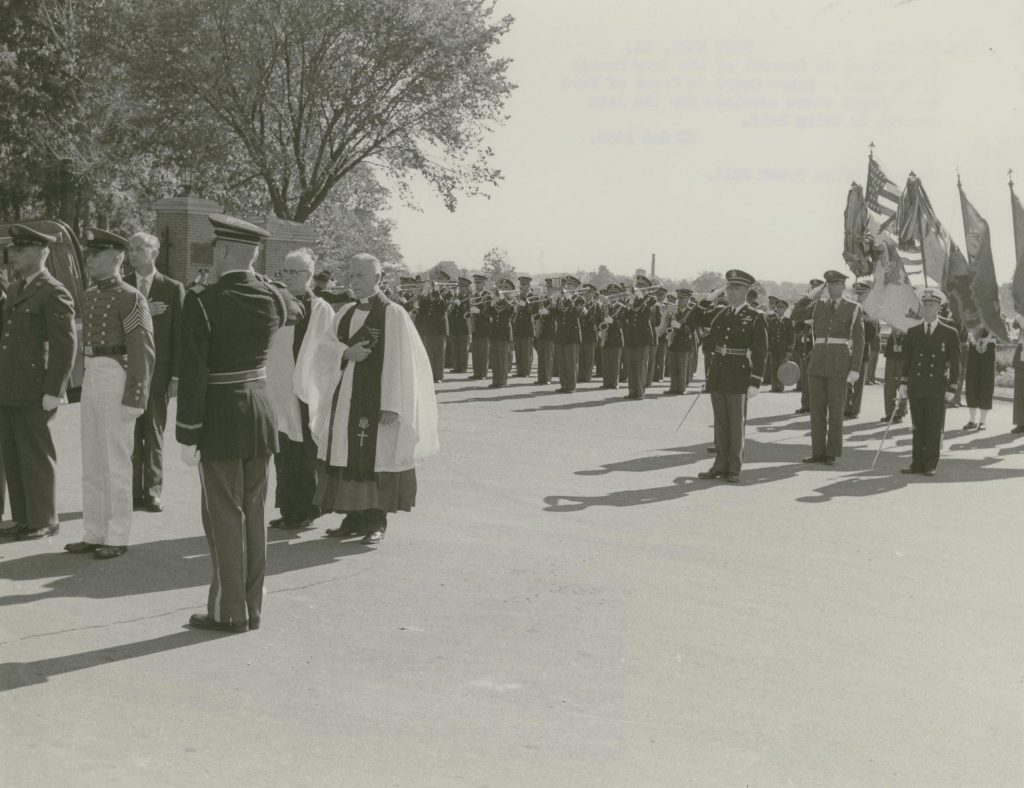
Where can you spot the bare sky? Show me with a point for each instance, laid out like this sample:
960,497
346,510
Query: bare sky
721,135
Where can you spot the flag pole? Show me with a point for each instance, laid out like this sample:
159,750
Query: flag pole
920,224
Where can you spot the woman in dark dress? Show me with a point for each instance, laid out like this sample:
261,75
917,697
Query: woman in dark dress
980,378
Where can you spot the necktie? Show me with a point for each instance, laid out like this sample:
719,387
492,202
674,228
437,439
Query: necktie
928,329
144,288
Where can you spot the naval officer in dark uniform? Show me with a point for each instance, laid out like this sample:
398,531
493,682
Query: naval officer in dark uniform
931,371
740,341
226,421
37,352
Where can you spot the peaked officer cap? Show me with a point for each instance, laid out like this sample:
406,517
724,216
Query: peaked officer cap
229,228
95,238
26,236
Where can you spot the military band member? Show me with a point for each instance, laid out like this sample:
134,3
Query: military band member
931,369
432,322
458,326
37,352
481,331
893,372
741,348
838,326
803,344
654,302
611,328
117,334
638,338
546,336
226,421
1018,377
524,329
871,327
500,315
569,312
590,321
680,343
165,297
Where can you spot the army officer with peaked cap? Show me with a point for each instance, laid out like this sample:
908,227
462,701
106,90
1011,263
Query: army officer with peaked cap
37,352
226,421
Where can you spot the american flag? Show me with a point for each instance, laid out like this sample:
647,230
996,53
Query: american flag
882,196
883,199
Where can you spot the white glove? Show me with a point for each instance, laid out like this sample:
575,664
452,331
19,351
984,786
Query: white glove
901,392
606,322
542,311
190,455
675,324
474,310
128,413
853,377
50,402
753,391
949,396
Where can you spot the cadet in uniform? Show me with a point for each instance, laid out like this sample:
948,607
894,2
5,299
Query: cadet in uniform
226,420
590,321
741,348
545,337
523,330
568,336
838,326
931,370
117,334
37,352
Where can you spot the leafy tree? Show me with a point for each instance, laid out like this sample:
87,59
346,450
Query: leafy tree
296,94
707,281
497,266
351,222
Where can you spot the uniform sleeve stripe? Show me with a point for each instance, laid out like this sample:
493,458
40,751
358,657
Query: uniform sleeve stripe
138,318
189,426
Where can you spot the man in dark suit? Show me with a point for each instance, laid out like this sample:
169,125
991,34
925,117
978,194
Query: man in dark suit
931,370
226,420
740,338
165,297
835,361
37,351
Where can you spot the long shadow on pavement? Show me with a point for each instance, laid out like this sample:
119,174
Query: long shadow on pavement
858,480
156,566
14,675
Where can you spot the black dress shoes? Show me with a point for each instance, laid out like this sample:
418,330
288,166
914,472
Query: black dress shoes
147,505
815,458
203,621
828,460
710,475
82,547
929,472
910,469
732,478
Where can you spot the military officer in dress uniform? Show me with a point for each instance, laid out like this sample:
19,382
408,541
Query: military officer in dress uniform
838,326
931,369
165,297
611,330
117,334
893,373
568,335
37,352
741,349
226,421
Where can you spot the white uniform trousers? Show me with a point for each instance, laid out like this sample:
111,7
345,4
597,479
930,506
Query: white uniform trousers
106,454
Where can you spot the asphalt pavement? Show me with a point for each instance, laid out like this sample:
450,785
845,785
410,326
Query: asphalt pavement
567,605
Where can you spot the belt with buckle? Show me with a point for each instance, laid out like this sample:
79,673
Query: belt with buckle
237,378
732,351
105,350
832,341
